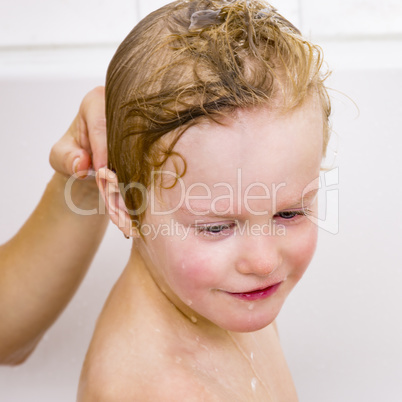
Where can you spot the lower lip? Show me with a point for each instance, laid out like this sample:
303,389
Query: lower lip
258,294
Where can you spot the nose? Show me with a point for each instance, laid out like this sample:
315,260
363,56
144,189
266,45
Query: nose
260,255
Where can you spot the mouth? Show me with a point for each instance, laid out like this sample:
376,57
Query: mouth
257,294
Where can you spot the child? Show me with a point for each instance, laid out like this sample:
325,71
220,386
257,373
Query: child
217,120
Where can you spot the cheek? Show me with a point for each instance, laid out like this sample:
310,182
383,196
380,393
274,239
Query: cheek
303,251
192,268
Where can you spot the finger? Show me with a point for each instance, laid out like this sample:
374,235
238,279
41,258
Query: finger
82,165
92,114
67,157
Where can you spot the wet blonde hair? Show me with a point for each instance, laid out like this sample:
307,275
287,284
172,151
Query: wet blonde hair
200,59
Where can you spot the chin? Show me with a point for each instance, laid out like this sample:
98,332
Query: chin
248,324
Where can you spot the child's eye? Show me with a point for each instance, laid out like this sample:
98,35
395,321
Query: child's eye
216,229
289,215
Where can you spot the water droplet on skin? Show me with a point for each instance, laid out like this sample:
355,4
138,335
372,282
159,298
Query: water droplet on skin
253,384
251,306
252,356
193,319
189,302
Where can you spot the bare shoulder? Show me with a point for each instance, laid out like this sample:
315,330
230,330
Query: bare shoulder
109,381
101,379
131,359
107,362
133,368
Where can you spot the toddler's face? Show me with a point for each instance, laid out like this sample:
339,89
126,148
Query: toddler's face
230,240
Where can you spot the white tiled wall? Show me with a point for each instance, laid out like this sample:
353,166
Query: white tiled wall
351,18
146,7
65,22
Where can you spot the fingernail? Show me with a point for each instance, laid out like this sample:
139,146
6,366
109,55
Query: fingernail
75,165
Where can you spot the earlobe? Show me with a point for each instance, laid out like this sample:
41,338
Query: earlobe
109,188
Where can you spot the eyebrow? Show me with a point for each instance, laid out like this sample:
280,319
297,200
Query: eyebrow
309,196
205,212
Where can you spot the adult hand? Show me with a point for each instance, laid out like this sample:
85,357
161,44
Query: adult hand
83,146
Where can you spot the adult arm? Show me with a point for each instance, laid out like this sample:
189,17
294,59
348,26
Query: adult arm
42,266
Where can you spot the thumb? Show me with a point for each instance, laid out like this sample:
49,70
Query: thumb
67,157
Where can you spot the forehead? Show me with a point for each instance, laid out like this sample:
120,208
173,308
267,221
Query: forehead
267,146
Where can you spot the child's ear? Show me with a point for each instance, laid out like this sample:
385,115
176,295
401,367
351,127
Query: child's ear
109,189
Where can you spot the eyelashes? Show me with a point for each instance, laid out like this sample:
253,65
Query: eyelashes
288,215
215,229
225,229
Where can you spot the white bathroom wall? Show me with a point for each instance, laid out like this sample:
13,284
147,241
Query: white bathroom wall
341,327
65,23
